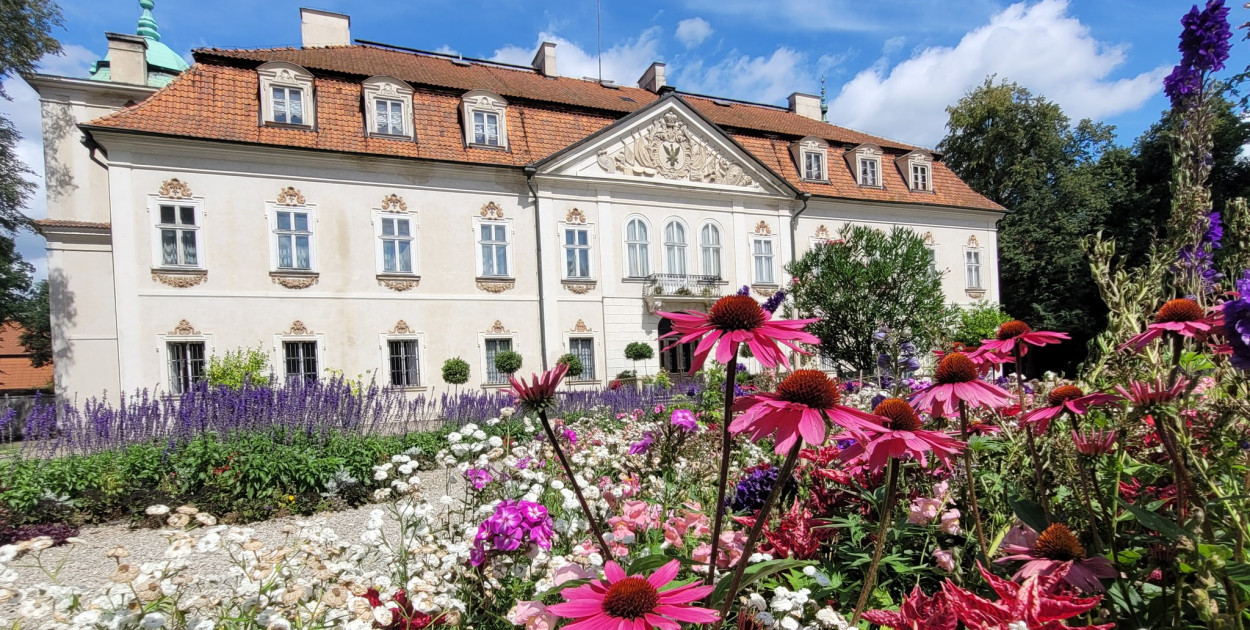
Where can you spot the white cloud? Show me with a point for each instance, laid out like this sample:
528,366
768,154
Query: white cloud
693,31
847,15
1038,46
761,79
622,63
446,49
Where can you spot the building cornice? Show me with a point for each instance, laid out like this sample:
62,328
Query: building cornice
42,82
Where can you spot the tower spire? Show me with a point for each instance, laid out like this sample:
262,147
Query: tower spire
824,104
147,23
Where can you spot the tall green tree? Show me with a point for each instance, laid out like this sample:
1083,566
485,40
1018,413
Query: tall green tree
15,276
36,319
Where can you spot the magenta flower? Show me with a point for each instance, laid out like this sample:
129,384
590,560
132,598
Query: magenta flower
633,602
1065,398
878,444
1016,332
513,524
1183,317
1145,394
684,419
739,319
1057,549
540,394
797,410
956,380
1096,443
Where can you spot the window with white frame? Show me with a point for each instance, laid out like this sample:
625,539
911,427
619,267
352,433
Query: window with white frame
486,128
186,364
388,106
637,248
396,243
389,117
584,349
293,244
762,255
495,249
972,268
814,166
809,156
178,234
932,256
404,357
709,247
300,359
869,173
485,122
577,253
675,248
286,94
919,176
493,346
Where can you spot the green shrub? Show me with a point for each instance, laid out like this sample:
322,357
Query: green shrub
639,351
237,368
456,371
574,363
977,321
508,362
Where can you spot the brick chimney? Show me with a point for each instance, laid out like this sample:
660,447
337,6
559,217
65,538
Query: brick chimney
545,60
805,105
323,28
653,79
128,61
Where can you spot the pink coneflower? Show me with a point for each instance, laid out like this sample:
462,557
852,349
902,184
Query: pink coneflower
1183,317
795,411
540,394
1065,398
1017,333
1057,549
956,380
1143,394
902,437
1095,443
739,319
633,602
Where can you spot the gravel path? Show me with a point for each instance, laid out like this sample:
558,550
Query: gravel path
87,566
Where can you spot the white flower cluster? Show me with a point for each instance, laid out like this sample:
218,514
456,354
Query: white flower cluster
793,610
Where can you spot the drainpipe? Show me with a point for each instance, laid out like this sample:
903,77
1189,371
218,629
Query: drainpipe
530,171
794,223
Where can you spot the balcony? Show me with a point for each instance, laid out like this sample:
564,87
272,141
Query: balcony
675,291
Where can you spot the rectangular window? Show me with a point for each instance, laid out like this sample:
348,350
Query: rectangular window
301,360
868,173
584,349
813,166
396,242
919,177
577,253
762,251
288,105
932,257
186,365
494,244
405,363
972,264
294,236
486,128
389,114
494,347
179,236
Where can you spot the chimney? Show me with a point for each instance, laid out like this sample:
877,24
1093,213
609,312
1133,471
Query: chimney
128,61
545,60
805,105
653,79
323,28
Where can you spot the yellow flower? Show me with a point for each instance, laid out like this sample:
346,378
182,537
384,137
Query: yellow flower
290,497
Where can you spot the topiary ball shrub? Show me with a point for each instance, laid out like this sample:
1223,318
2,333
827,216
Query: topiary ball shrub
456,371
508,362
574,363
639,351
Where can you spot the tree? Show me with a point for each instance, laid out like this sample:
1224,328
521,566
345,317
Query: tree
868,280
638,351
36,319
574,363
456,371
15,276
508,361
25,37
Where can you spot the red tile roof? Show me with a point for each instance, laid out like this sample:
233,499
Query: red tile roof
66,223
16,372
218,99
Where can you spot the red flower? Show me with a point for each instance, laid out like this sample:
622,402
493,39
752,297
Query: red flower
1057,550
403,615
903,437
1038,603
797,536
797,409
541,392
1183,317
918,612
1016,332
1065,397
738,319
956,380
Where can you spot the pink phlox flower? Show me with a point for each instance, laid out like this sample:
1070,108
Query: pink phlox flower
684,419
950,522
727,554
945,560
532,615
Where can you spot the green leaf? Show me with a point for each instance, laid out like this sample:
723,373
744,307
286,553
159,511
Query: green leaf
1029,512
755,573
1170,530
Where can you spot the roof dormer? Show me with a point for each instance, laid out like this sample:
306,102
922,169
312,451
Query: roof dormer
811,157
917,170
286,95
865,164
485,122
388,107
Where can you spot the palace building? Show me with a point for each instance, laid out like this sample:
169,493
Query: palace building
378,210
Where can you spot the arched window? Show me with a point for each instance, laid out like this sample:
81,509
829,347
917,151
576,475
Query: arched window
709,244
675,248
637,248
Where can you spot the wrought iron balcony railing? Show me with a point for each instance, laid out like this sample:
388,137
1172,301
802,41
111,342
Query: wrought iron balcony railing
678,284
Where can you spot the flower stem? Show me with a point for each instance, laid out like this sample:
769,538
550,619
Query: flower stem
887,509
787,469
1028,434
972,485
726,446
577,489
1086,493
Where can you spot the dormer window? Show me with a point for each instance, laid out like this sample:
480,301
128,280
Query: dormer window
485,120
917,169
865,163
809,154
388,107
919,177
286,95
868,172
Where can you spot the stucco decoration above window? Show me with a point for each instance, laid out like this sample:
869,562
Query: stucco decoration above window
394,203
973,242
581,327
402,328
497,328
184,329
667,148
298,328
822,232
174,189
492,211
290,197
575,216
762,229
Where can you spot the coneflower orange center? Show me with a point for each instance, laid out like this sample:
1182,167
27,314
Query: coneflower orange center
1063,394
1058,543
955,368
902,417
736,312
812,388
1181,310
1013,328
630,598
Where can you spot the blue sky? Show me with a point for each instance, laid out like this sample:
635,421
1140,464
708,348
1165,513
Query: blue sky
890,66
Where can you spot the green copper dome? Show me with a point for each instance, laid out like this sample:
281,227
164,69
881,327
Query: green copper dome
163,63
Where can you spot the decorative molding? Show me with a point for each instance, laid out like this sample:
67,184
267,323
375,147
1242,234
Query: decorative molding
302,281
497,328
928,239
399,283
667,148
492,211
496,286
762,229
578,287
822,232
298,328
394,203
580,327
290,197
180,279
184,329
402,328
973,242
766,291
975,294
174,189
575,216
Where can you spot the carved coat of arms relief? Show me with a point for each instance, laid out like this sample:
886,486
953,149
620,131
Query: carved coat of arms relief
668,149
